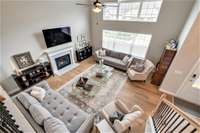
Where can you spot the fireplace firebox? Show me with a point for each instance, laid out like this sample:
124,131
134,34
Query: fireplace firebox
63,61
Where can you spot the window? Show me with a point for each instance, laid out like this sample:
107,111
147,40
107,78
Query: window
150,10
129,11
110,13
129,43
137,10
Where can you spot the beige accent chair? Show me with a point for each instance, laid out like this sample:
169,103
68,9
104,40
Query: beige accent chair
125,124
141,76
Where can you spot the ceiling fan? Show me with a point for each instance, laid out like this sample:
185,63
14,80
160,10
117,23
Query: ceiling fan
97,6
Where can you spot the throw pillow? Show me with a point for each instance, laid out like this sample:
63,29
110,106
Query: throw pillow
54,125
39,113
125,59
38,93
138,67
26,100
130,61
102,52
132,116
116,116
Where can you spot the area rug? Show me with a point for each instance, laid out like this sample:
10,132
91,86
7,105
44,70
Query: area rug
104,89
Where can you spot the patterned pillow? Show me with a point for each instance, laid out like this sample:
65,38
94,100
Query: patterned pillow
138,67
125,59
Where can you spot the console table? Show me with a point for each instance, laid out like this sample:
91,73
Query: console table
83,53
33,75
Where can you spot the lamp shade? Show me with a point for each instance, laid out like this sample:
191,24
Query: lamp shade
196,83
96,9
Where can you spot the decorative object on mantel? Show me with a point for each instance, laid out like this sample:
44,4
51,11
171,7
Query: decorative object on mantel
23,60
81,41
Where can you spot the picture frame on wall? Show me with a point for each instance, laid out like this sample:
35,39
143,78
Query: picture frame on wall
23,60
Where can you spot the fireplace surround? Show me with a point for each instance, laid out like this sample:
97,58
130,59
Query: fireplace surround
62,60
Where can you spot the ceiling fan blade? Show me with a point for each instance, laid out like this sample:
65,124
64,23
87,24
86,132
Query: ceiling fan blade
105,5
82,4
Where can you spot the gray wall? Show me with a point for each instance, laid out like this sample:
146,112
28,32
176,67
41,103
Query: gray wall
23,23
172,17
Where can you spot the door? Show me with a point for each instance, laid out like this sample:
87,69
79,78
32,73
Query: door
190,89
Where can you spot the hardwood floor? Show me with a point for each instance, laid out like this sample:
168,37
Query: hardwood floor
57,81
143,94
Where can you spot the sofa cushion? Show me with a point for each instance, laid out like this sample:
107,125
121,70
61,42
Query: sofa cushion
54,125
39,113
27,100
113,60
117,63
122,55
108,52
61,108
115,54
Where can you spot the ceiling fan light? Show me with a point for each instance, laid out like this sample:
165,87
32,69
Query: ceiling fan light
96,9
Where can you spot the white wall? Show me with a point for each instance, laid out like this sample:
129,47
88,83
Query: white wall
172,17
0,41
189,23
23,22
186,57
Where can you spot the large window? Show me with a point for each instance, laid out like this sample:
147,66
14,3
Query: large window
133,10
129,43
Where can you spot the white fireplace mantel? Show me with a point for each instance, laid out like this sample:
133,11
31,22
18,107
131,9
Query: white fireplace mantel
58,52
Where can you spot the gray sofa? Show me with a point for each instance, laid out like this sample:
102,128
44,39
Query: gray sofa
113,59
74,119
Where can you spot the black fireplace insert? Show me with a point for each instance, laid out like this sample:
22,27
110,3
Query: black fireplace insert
63,61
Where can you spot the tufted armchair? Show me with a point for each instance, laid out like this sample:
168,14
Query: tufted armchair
132,114
141,76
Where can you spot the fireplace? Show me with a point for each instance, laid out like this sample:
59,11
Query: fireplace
63,61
